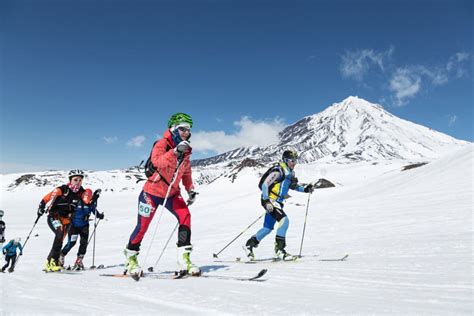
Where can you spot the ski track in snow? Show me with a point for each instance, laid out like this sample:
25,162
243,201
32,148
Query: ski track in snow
409,236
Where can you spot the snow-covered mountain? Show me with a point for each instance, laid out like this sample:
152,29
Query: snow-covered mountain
352,130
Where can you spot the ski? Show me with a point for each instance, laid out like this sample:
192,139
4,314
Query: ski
294,258
336,259
137,277
168,276
256,277
62,272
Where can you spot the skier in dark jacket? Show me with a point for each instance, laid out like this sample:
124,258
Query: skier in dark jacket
80,228
62,201
10,253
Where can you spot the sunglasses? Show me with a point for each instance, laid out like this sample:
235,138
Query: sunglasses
184,129
291,160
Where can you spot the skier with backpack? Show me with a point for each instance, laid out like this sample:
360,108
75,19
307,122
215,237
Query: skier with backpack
9,251
80,228
60,204
275,184
168,165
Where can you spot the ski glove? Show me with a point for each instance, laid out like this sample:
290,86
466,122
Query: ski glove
100,215
309,188
96,195
183,147
268,205
41,208
191,197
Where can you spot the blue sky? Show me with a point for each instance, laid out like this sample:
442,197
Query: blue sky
91,84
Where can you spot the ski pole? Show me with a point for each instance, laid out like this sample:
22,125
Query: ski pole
93,232
150,269
215,255
304,226
93,245
27,238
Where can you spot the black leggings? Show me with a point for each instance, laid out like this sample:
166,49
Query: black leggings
60,230
7,259
74,233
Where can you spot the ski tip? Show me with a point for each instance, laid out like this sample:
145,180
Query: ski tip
262,272
345,257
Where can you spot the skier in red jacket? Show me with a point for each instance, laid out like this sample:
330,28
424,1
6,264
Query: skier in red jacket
169,164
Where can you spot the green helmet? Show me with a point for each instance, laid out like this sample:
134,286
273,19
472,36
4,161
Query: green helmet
179,118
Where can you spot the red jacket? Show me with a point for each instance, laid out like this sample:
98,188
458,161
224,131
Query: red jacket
165,161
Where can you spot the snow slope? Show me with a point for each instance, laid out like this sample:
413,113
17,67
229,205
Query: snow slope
408,233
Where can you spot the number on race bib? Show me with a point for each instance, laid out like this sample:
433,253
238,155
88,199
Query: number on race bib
144,209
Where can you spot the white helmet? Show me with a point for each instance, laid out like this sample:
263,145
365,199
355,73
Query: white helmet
75,173
17,240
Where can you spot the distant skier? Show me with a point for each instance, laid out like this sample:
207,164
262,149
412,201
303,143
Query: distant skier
275,184
2,229
62,201
80,227
167,152
10,253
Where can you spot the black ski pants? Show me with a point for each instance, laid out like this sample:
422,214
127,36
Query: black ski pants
60,230
74,233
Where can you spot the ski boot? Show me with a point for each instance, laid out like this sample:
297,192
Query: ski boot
131,265
51,266
185,266
78,265
10,269
249,245
280,252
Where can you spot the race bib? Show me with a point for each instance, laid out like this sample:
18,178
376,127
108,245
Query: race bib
144,209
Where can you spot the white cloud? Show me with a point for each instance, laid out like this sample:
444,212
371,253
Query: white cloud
456,63
405,83
136,141
249,133
452,119
110,140
355,64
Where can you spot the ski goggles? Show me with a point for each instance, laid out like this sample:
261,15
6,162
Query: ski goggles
184,129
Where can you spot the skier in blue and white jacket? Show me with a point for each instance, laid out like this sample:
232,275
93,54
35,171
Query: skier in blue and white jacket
80,227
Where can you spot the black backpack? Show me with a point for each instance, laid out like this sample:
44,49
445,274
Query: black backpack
265,175
150,169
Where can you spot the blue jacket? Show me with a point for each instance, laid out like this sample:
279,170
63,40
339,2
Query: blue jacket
81,215
10,248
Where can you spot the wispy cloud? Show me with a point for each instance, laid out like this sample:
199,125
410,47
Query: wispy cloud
403,82
136,141
249,133
452,119
356,64
456,64
110,140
